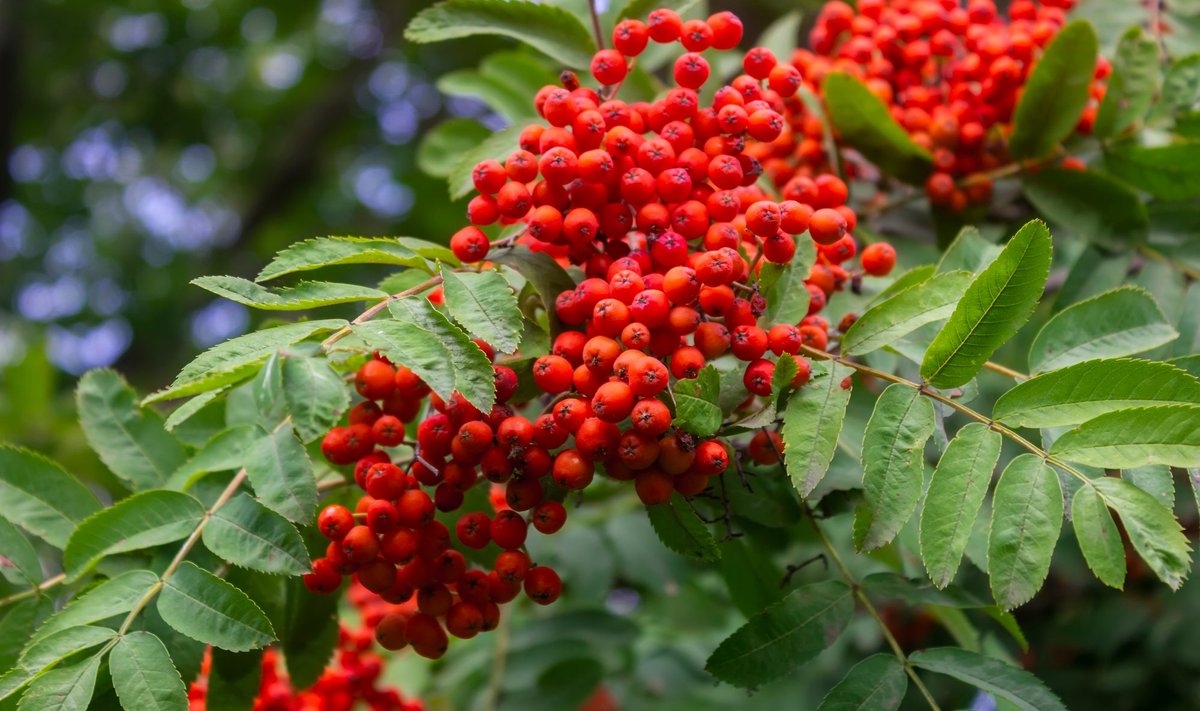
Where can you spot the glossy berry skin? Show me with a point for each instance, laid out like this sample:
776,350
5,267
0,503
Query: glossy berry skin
878,259
543,585
335,521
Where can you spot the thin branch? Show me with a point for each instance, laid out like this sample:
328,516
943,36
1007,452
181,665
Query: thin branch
374,310
956,405
596,29
1005,371
186,548
36,590
870,608
1158,256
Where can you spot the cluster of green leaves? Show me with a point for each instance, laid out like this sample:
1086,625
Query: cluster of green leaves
203,542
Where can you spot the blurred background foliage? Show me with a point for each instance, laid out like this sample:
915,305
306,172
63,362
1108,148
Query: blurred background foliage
148,142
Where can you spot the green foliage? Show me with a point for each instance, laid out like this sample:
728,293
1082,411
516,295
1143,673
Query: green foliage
696,408
484,305
144,676
893,466
143,520
926,301
129,439
1170,172
330,251
680,531
784,635
246,533
1152,529
1055,92
1116,323
549,29
811,425
1166,434
877,682
280,472
863,119
210,610
304,295
1131,86
994,306
1027,511
37,495
1098,537
1090,204
1085,390
473,376
1014,685
955,494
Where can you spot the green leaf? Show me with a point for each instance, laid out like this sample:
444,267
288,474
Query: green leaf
696,408
37,495
893,462
226,451
304,295
992,310
1027,511
474,377
1155,480
1085,390
310,633
905,281
500,96
787,296
1098,537
750,575
68,689
905,312
1055,93
1017,686
144,676
783,35
1120,322
110,598
19,562
1181,85
235,680
1132,84
210,610
282,475
246,533
877,683
184,412
863,121
783,636
414,347
143,520
968,252
1170,172
17,623
1089,204
130,441
547,276
50,651
330,251
496,147
548,29
956,491
640,9
316,396
442,146
485,305
812,422
680,530
1135,437
1151,527
236,359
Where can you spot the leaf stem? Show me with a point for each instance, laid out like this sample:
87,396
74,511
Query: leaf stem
870,608
186,548
36,590
599,33
954,404
1158,256
374,310
1005,371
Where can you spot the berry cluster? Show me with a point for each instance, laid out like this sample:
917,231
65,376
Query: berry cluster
351,681
393,544
951,75
658,204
